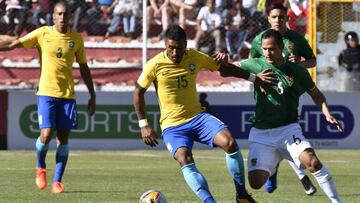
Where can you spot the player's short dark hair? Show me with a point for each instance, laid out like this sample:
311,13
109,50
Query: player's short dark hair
271,33
175,32
275,6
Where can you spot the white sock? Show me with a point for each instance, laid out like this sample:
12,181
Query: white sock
299,172
327,184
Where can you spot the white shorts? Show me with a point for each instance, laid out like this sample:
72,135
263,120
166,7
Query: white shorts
269,146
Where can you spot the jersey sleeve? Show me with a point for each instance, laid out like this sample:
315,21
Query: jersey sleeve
304,48
306,81
256,51
250,65
207,62
148,75
32,39
80,53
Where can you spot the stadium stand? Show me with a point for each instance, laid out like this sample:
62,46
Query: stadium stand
115,61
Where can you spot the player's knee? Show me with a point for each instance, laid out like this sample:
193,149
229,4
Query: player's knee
45,135
314,165
185,160
226,141
310,160
229,142
184,157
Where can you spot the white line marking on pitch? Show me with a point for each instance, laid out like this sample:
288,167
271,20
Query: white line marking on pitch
201,157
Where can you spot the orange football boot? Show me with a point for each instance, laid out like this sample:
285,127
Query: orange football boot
57,188
40,178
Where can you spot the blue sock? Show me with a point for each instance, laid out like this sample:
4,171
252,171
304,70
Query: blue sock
62,154
197,182
235,165
209,200
271,183
41,150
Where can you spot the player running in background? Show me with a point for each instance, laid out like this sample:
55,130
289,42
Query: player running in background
183,121
296,47
297,50
58,45
276,133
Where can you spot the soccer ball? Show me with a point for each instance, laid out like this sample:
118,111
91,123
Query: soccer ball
152,196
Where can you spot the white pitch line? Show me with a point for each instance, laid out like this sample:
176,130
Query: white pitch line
162,156
159,156
201,157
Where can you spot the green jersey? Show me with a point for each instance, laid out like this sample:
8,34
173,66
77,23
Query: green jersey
279,106
294,43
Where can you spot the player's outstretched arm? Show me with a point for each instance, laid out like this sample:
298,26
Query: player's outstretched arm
10,44
148,134
260,79
230,70
320,100
86,76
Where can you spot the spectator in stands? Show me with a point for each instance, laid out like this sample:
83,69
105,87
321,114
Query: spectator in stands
250,5
236,24
157,9
77,7
349,62
180,10
99,10
299,16
43,10
220,5
58,46
256,9
18,9
2,9
208,23
128,11
188,10
175,6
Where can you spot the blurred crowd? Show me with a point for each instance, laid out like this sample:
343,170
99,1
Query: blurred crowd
214,24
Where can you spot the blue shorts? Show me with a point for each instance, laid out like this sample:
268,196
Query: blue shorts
203,128
57,113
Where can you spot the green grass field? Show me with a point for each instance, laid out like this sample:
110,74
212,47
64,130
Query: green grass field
122,176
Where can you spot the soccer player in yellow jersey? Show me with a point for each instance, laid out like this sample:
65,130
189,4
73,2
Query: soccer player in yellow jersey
182,120
58,45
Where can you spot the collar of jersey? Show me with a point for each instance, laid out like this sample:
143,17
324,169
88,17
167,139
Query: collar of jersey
68,31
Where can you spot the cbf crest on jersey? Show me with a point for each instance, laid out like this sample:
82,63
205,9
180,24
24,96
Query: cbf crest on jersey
71,44
192,68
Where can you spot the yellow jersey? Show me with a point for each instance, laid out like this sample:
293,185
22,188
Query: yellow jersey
57,52
176,85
